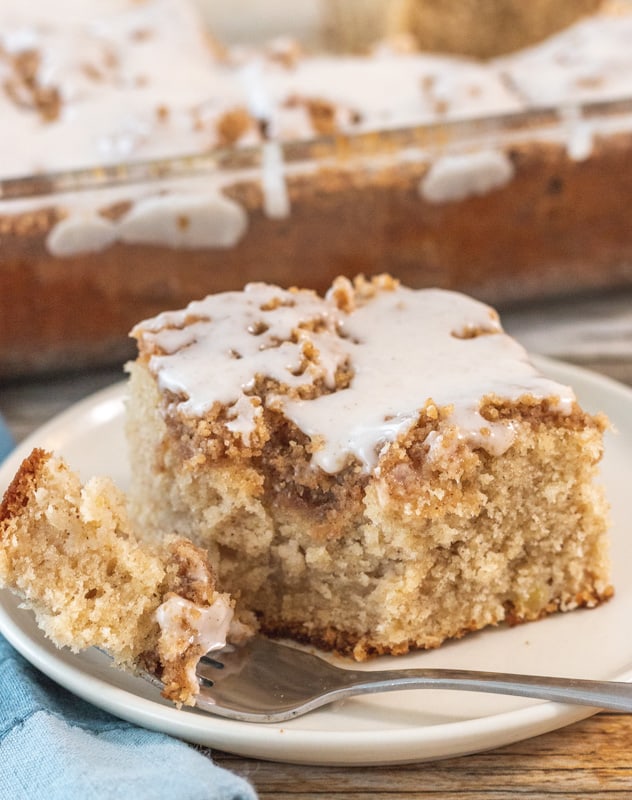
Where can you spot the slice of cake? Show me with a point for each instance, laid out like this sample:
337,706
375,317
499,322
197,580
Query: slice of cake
374,471
70,552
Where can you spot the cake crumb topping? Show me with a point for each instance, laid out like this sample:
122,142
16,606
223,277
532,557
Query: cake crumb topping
353,370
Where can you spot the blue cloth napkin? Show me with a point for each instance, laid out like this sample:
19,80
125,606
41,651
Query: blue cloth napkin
6,442
55,746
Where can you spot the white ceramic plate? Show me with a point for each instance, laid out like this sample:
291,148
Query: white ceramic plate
391,728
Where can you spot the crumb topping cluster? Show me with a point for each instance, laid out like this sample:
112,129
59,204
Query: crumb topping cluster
24,86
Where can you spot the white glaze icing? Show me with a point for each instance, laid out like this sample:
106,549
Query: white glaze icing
185,214
454,177
226,336
185,623
590,60
276,199
116,65
580,133
208,219
387,90
405,348
121,97
83,231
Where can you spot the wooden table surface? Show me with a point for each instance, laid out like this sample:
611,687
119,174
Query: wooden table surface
590,759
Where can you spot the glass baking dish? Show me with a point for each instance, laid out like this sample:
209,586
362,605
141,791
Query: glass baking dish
508,207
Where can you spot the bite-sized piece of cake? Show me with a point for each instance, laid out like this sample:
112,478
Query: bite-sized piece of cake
71,553
374,471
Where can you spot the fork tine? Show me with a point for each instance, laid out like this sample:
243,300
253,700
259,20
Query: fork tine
211,662
263,681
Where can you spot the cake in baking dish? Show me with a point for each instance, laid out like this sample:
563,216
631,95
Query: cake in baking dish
374,471
434,166
71,553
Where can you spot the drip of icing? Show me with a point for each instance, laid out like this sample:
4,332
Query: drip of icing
83,231
185,623
188,218
454,177
580,133
257,97
242,417
276,199
405,348
180,220
495,437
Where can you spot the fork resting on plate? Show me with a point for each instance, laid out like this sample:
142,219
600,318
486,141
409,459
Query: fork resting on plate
266,681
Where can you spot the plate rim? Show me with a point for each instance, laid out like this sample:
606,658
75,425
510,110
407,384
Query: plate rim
395,745
402,745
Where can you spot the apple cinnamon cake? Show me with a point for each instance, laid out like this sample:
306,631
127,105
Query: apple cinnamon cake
372,471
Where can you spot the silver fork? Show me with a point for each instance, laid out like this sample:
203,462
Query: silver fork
265,681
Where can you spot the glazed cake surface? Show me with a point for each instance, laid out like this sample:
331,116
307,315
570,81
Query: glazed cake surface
373,471
70,552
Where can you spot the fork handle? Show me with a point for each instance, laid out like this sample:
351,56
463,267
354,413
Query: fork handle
610,695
